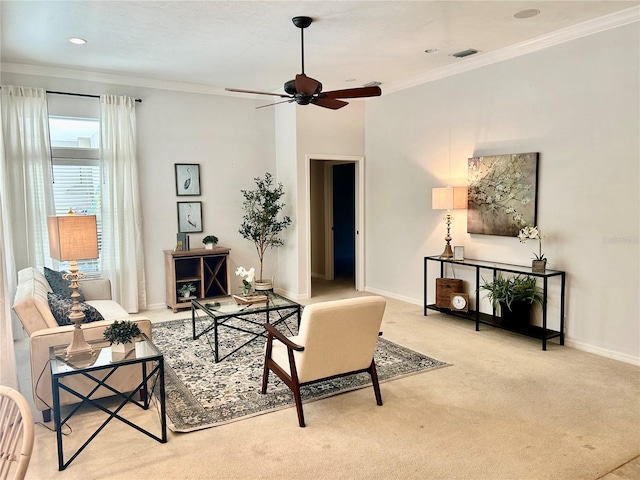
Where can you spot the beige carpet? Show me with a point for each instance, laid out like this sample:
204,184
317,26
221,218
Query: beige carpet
503,410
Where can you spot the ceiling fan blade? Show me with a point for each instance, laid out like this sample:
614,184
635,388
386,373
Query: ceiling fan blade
354,92
331,103
257,93
307,85
276,103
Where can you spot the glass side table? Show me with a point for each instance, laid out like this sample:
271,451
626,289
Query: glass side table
99,367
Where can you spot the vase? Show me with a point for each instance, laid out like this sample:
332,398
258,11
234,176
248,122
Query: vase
538,266
246,290
519,315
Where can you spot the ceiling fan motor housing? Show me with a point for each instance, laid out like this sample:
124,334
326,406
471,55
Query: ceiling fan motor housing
290,88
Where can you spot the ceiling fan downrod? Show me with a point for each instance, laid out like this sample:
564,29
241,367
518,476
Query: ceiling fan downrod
302,23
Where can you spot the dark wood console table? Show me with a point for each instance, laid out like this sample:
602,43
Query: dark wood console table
543,333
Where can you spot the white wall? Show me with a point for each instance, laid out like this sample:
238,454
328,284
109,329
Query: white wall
231,140
578,105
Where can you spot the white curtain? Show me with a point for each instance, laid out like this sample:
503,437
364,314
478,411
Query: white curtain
26,198
122,258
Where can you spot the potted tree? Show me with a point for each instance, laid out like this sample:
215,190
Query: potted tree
261,222
121,335
210,241
514,296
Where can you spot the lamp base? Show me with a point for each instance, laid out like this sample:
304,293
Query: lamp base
448,252
78,345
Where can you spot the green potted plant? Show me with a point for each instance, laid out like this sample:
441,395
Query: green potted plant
210,241
514,296
185,291
121,335
261,222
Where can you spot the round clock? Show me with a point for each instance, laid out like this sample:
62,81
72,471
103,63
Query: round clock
460,302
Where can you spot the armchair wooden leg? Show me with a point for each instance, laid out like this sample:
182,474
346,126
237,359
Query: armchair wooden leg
298,398
374,379
265,376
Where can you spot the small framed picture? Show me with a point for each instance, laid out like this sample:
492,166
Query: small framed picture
189,217
458,253
187,179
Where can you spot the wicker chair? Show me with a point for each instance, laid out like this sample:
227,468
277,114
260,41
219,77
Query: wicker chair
336,339
16,434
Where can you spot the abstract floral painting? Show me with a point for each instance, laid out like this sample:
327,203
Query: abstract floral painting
502,193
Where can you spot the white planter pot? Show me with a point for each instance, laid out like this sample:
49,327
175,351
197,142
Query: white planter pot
122,347
209,246
260,285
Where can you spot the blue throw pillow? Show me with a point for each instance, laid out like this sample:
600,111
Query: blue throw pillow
61,309
59,285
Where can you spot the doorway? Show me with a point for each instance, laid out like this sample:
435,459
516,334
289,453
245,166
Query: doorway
335,216
344,222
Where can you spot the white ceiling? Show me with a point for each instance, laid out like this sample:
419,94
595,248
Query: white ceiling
254,45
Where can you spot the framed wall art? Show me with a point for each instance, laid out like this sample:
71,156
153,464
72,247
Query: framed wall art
189,217
502,193
187,179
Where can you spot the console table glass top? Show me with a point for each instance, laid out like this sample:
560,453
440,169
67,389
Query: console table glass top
503,267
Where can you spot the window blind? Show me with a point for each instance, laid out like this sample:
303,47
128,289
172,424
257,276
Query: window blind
76,186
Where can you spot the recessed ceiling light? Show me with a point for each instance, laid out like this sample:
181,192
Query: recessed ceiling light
77,41
531,12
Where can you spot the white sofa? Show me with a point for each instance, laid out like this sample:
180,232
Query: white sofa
32,308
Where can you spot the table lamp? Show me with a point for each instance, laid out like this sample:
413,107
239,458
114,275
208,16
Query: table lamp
448,198
71,238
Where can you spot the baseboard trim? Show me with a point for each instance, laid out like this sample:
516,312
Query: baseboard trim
395,296
603,352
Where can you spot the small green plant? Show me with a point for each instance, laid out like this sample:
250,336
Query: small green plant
186,290
508,290
121,332
210,239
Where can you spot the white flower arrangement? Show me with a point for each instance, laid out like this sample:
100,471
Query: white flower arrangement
247,276
534,234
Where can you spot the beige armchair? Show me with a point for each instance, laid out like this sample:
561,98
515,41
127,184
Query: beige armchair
336,338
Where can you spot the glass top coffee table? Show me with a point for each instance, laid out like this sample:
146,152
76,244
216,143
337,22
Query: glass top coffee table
208,317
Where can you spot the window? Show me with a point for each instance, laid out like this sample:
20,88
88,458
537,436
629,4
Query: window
76,174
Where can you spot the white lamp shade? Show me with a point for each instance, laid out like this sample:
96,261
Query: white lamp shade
449,198
73,237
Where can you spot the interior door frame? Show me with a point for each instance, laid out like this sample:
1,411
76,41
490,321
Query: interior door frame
358,160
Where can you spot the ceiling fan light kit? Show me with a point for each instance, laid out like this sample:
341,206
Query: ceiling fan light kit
305,90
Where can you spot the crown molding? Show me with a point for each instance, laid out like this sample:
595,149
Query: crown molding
115,79
590,27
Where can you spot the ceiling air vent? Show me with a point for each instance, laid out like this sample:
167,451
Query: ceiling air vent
373,84
464,53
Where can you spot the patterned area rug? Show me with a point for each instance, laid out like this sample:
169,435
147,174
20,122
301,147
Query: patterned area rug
203,394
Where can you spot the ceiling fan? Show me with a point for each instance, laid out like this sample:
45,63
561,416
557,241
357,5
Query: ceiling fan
305,90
